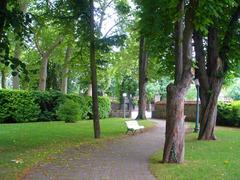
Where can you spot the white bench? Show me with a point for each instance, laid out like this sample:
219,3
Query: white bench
133,126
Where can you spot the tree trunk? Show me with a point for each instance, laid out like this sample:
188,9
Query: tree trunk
67,59
209,114
17,53
179,27
94,74
175,132
208,108
43,73
89,92
3,79
210,81
142,103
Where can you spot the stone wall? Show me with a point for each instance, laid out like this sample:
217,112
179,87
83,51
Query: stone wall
117,110
189,111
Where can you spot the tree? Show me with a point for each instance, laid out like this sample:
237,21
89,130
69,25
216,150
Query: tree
66,69
45,54
214,64
94,73
175,130
143,61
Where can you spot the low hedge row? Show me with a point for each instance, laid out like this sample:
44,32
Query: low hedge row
32,106
229,114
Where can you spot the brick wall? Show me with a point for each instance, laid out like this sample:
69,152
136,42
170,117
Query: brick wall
189,111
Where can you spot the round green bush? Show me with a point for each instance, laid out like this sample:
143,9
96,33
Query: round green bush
69,111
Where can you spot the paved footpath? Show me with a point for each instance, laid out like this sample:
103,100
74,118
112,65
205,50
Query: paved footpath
121,159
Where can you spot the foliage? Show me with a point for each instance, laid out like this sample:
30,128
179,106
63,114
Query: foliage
48,103
204,159
229,114
104,107
191,93
235,93
13,19
36,141
18,106
233,88
30,106
69,111
157,88
85,105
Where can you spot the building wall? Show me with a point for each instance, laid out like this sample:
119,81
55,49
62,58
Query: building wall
189,110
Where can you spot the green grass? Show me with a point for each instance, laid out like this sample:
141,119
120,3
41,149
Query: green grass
204,159
33,142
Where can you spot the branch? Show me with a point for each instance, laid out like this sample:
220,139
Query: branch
36,41
54,45
187,43
119,22
228,36
201,60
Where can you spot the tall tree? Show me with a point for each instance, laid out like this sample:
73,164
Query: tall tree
175,130
45,54
3,79
17,52
213,65
143,61
94,73
64,84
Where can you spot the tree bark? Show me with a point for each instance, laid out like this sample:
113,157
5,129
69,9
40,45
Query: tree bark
142,103
17,53
43,73
179,27
175,131
89,92
93,65
209,82
3,79
67,59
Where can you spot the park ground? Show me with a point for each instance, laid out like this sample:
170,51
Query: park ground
24,146
204,159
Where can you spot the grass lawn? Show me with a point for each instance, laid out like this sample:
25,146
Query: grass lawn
204,159
23,145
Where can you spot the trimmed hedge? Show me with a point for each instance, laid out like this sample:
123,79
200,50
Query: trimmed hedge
229,114
31,106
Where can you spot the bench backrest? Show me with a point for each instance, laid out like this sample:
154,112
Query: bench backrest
132,124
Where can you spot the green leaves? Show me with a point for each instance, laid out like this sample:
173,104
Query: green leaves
122,7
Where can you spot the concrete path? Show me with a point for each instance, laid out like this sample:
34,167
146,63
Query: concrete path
121,159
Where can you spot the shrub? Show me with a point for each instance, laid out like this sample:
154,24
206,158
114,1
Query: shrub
104,107
69,111
48,103
229,114
30,106
17,106
85,105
